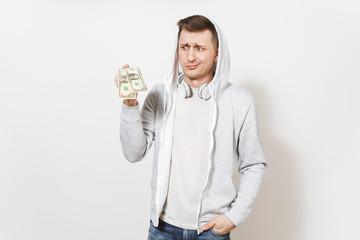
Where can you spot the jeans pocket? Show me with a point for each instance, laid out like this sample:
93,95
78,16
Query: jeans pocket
222,236
152,228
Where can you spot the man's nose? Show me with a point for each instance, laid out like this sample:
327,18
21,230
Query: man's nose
191,55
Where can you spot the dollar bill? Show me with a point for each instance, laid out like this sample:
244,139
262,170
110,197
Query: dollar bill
136,79
130,82
125,88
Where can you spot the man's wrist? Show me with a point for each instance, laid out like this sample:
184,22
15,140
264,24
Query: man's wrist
131,102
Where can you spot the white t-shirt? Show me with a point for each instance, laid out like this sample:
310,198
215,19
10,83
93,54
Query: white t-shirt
189,163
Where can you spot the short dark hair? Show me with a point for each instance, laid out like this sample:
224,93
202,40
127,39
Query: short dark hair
197,23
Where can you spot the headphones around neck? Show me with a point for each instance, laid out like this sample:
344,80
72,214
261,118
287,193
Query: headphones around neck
204,91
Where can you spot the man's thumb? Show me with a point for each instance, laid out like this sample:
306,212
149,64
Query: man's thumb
207,226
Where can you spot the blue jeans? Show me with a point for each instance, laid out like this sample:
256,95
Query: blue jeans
166,231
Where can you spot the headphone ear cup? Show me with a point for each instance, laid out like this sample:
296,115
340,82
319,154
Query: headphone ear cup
187,88
204,92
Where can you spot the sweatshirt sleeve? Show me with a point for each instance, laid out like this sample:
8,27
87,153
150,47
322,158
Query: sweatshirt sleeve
252,167
137,129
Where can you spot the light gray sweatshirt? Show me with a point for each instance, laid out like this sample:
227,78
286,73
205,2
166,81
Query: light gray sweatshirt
234,136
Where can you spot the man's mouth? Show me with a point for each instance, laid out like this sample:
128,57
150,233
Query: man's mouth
192,67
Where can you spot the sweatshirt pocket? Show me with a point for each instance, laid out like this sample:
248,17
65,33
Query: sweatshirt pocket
220,193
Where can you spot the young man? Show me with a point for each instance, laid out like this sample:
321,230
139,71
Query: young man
202,126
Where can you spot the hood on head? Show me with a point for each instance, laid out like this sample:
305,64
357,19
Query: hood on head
221,77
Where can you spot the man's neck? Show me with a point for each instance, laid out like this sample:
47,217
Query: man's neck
196,83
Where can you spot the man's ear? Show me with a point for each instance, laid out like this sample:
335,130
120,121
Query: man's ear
216,56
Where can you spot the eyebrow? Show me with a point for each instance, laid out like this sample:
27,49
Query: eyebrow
196,44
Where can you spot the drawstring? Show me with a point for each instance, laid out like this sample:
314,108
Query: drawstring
213,105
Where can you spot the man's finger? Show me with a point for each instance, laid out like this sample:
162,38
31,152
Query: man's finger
208,225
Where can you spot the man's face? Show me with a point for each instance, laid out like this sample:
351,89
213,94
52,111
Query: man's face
197,54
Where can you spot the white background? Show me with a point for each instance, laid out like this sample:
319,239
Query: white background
62,172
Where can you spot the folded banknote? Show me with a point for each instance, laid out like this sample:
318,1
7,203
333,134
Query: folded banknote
131,81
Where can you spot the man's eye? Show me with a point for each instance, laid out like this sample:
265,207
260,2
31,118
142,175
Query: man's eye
184,47
200,48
